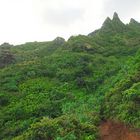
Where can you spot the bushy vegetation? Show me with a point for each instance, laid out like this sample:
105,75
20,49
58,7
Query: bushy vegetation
63,90
61,128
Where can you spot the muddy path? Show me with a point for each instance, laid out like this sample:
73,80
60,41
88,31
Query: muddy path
110,130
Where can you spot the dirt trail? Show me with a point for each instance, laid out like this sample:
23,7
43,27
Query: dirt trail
110,130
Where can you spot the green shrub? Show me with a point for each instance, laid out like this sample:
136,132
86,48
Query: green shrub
61,128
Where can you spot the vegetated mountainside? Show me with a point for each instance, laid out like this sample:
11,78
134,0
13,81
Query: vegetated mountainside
63,90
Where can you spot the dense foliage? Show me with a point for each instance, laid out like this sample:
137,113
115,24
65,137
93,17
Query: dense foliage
62,90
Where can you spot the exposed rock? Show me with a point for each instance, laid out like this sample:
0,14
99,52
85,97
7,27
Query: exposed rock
59,40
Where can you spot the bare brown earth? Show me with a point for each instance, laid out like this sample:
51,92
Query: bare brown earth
111,130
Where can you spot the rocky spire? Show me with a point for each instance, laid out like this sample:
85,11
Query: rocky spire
107,21
133,21
115,16
117,23
111,26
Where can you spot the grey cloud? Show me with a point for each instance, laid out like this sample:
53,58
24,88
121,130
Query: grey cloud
125,7
65,16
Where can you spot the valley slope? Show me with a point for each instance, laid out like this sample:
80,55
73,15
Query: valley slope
63,90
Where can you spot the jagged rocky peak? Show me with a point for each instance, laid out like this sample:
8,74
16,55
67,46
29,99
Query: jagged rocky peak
116,19
117,23
111,25
107,20
115,16
133,21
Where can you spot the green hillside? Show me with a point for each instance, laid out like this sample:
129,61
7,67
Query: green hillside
63,90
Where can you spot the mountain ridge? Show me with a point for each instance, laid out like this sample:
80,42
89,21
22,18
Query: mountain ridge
66,90
114,24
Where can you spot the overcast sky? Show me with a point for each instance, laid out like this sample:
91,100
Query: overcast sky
42,20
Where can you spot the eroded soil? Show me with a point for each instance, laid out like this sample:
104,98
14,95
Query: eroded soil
110,130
